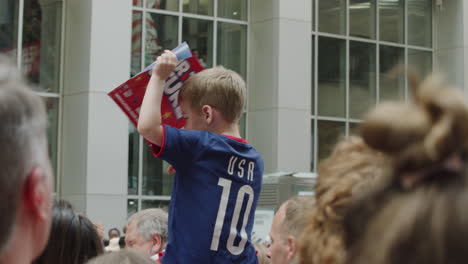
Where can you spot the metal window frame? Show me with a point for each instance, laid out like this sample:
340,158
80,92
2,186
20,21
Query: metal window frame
315,117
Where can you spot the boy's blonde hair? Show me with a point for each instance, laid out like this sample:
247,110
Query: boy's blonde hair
218,87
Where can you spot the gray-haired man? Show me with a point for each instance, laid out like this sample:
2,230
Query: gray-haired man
147,232
25,174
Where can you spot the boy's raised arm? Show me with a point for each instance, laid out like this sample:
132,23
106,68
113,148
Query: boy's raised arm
149,122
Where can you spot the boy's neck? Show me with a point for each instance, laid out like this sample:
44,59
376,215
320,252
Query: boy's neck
228,130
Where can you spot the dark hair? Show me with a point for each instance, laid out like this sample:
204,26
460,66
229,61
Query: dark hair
73,238
113,229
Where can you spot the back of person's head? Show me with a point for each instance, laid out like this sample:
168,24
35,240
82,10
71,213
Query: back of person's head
351,168
73,238
113,232
124,256
218,87
418,214
295,209
23,141
287,225
150,222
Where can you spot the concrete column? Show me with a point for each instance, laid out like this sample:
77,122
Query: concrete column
280,83
95,131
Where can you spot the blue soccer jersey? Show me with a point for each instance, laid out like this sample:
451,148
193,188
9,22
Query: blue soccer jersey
216,188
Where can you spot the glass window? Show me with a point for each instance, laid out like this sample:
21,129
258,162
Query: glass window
420,22
353,128
242,125
161,34
331,77
9,27
163,204
132,207
313,15
133,153
362,18
41,43
137,3
171,5
328,134
392,20
392,86
362,78
202,7
332,16
233,9
232,47
136,43
421,60
152,173
199,35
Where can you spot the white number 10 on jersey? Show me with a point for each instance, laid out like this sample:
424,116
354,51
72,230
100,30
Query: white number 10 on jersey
246,189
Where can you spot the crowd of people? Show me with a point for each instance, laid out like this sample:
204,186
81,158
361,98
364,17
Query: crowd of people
394,193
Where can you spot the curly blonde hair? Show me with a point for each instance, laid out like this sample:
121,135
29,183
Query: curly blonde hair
418,215
350,168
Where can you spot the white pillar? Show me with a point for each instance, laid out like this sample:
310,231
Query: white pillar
280,83
95,132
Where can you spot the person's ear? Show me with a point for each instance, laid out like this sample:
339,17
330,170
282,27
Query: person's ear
157,244
207,112
37,194
292,248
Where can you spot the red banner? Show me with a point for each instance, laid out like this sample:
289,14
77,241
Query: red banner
129,95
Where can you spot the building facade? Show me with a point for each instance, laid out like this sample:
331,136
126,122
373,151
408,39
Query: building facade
312,67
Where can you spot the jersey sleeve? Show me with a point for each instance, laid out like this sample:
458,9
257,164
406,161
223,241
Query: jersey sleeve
178,145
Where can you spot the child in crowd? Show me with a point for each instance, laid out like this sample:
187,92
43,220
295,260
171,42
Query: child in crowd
418,214
218,174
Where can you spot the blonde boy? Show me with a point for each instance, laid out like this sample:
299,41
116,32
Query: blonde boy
218,174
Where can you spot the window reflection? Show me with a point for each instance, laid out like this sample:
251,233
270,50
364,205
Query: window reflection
41,43
392,86
171,5
328,134
233,9
132,207
8,27
232,47
199,34
201,7
362,81
362,18
331,77
392,20
136,43
332,16
420,22
420,60
133,154
161,34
